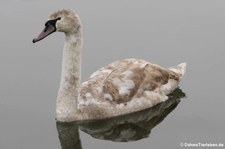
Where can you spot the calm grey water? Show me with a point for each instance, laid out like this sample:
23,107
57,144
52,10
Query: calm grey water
164,32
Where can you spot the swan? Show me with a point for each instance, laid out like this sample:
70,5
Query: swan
119,88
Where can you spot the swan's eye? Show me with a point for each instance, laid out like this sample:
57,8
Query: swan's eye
59,18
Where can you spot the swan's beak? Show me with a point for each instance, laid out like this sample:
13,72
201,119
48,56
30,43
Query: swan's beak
47,31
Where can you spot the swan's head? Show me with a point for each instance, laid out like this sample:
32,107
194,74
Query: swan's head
62,21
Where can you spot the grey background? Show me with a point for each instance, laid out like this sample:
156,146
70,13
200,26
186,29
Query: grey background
161,31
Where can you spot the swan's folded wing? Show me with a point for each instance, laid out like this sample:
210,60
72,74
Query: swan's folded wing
121,81
102,86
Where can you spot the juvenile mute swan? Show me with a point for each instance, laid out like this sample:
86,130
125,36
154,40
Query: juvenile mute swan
122,87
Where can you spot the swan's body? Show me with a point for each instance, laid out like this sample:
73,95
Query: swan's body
119,88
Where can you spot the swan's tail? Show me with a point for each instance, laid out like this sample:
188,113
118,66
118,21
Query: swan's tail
179,69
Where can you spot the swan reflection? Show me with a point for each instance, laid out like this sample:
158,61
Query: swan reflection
125,128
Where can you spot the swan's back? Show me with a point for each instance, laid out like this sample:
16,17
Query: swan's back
126,86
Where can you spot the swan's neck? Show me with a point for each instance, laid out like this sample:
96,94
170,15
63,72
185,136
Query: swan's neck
66,105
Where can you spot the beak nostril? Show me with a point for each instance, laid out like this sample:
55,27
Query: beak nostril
46,28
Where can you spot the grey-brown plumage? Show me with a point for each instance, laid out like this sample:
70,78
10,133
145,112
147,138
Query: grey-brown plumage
127,86
119,88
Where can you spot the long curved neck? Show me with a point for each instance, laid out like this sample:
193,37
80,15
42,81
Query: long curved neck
66,104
